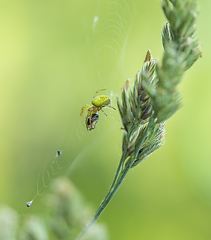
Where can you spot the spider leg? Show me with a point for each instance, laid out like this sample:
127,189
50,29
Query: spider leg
110,107
84,107
98,92
107,106
103,112
82,110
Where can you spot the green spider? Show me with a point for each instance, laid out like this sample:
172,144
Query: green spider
97,104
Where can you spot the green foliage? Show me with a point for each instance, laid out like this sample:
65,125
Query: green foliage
145,107
136,111
181,51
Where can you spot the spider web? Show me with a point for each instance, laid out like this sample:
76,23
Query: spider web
107,32
70,57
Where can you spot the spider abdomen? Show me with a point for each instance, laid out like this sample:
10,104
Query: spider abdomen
101,101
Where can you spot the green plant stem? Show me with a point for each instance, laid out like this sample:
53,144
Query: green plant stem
118,169
108,198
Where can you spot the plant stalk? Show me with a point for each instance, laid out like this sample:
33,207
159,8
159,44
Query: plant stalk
107,199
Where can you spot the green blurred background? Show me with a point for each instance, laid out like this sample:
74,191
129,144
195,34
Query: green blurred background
54,55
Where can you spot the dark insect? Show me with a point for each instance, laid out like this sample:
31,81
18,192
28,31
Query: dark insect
90,124
59,153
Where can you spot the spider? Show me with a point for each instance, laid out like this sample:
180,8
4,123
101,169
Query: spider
97,104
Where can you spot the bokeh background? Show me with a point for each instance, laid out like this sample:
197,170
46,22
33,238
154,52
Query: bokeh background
54,55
